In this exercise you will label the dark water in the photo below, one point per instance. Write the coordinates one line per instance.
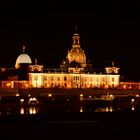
(58, 117)
(32, 105)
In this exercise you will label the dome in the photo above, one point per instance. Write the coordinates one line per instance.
(23, 59)
(76, 54)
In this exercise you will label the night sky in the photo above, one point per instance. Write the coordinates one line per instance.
(109, 31)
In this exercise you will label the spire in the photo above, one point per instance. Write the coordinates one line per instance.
(76, 38)
(35, 61)
(23, 48)
(76, 30)
(112, 63)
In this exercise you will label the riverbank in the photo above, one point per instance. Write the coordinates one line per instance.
(44, 91)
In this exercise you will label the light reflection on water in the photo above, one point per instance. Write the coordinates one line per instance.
(133, 108)
(29, 110)
(80, 104)
(104, 109)
(22, 110)
(81, 109)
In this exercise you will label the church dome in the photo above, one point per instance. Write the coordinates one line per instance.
(23, 59)
(76, 53)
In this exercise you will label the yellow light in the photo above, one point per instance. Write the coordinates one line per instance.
(49, 95)
(106, 86)
(89, 96)
(132, 100)
(22, 110)
(106, 109)
(32, 99)
(137, 95)
(32, 110)
(17, 95)
(69, 86)
(81, 109)
(22, 100)
(26, 85)
(110, 109)
(132, 108)
(8, 84)
(81, 95)
(124, 86)
(88, 86)
(111, 96)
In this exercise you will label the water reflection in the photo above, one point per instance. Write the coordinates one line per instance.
(29, 110)
(133, 108)
(22, 110)
(81, 108)
(32, 110)
(104, 109)
(70, 103)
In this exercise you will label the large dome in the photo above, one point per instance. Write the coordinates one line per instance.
(76, 54)
(23, 59)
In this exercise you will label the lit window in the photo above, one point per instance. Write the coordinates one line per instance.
(52, 78)
(45, 77)
(35, 78)
(112, 79)
(58, 78)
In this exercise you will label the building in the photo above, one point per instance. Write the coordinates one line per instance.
(74, 72)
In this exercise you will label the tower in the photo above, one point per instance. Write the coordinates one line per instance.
(76, 53)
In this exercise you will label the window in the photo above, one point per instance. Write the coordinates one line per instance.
(65, 78)
(58, 78)
(51, 84)
(65, 84)
(113, 79)
(58, 84)
(91, 78)
(35, 78)
(52, 78)
(45, 77)
(77, 77)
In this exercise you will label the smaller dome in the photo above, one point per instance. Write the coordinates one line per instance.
(23, 59)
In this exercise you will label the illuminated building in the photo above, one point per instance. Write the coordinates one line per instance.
(74, 72)
(23, 59)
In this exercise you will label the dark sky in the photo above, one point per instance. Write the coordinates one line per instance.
(109, 31)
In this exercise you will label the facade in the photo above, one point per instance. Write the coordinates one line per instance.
(73, 80)
(74, 72)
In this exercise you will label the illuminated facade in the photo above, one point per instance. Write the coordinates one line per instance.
(74, 72)
(76, 53)
(72, 80)
(23, 59)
